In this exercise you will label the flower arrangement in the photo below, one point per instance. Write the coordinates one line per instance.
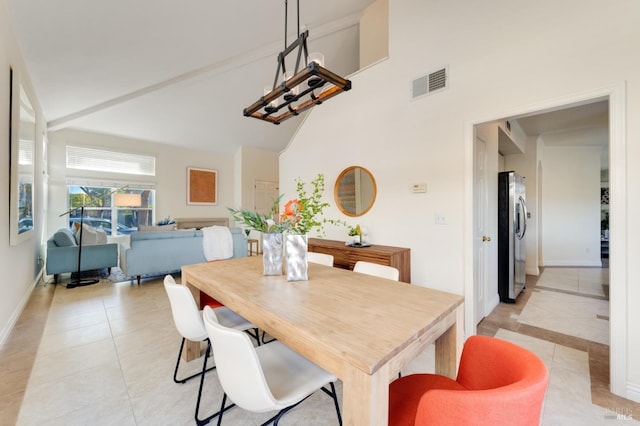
(304, 213)
(258, 222)
(301, 215)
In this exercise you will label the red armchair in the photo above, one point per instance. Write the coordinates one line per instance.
(498, 383)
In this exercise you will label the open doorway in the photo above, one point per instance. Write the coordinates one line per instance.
(610, 103)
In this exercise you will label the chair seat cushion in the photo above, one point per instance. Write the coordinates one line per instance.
(405, 394)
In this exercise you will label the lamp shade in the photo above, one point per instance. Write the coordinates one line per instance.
(127, 200)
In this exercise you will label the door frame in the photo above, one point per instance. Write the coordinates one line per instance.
(616, 95)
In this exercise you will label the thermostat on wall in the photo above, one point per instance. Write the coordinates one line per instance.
(419, 188)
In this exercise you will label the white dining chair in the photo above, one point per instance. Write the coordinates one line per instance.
(382, 271)
(267, 378)
(188, 321)
(321, 258)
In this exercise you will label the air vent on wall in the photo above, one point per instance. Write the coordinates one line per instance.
(427, 84)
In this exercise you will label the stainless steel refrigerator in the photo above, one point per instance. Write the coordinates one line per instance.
(512, 227)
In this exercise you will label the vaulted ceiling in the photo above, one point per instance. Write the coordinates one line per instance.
(173, 72)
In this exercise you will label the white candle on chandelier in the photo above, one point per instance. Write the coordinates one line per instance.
(293, 91)
(316, 57)
(274, 103)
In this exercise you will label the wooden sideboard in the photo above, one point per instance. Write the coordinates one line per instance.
(345, 257)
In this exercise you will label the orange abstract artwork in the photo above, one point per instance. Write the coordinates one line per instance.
(202, 186)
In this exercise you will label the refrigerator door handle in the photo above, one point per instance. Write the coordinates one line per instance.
(524, 214)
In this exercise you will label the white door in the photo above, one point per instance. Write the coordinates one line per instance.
(265, 194)
(481, 237)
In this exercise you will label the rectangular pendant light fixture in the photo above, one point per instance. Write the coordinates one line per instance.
(306, 88)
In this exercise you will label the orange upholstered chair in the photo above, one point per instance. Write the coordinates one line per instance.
(498, 383)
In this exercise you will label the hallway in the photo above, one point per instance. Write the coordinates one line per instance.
(565, 312)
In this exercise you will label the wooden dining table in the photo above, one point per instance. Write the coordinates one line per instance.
(362, 329)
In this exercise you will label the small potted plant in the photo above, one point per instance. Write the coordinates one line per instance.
(355, 237)
(353, 234)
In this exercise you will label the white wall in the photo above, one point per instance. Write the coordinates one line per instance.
(20, 262)
(256, 164)
(170, 180)
(571, 212)
(502, 55)
(374, 33)
(253, 164)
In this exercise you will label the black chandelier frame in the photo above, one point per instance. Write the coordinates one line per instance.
(313, 80)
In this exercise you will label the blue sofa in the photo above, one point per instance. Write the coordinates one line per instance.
(62, 254)
(162, 252)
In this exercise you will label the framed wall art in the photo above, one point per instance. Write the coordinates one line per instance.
(202, 186)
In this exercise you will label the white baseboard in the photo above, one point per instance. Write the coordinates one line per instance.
(492, 303)
(532, 271)
(574, 263)
(6, 331)
(633, 391)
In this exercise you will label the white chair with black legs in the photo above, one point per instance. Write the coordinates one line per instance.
(321, 258)
(189, 323)
(267, 378)
(382, 271)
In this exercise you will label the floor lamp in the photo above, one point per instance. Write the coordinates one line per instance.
(119, 200)
(79, 282)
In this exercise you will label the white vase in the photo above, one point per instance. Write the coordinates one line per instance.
(272, 254)
(295, 252)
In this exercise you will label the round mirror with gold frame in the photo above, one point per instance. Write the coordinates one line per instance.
(355, 191)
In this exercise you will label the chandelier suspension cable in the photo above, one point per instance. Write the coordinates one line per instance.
(286, 31)
(298, 11)
(286, 20)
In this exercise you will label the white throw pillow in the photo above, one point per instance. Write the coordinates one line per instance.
(101, 236)
(89, 235)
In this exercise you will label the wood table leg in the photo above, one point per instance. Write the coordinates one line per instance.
(365, 398)
(449, 347)
(191, 350)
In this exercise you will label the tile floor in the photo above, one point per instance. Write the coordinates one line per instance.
(104, 355)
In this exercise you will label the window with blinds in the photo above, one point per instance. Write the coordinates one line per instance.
(82, 158)
(25, 153)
